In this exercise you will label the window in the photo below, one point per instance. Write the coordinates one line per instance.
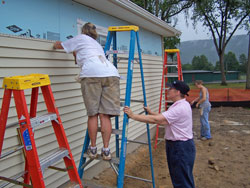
(102, 32)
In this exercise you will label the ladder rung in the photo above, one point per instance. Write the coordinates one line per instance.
(126, 58)
(12, 124)
(134, 100)
(12, 179)
(161, 139)
(114, 131)
(171, 75)
(137, 178)
(99, 157)
(143, 112)
(171, 66)
(36, 121)
(53, 158)
(172, 63)
(137, 142)
(108, 52)
(11, 151)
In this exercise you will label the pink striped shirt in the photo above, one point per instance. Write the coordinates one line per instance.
(179, 117)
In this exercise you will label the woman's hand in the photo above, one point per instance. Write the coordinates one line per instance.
(197, 105)
(128, 111)
(57, 45)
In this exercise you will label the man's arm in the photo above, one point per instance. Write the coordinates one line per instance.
(152, 119)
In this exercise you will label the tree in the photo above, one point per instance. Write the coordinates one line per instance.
(243, 63)
(218, 16)
(166, 10)
(230, 61)
(201, 63)
(187, 67)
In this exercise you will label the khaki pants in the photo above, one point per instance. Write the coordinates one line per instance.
(101, 95)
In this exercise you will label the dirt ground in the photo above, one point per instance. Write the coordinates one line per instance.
(222, 162)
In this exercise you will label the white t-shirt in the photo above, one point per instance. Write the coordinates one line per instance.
(90, 57)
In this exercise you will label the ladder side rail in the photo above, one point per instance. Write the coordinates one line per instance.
(115, 48)
(26, 176)
(180, 75)
(84, 150)
(4, 115)
(162, 85)
(60, 134)
(108, 42)
(165, 84)
(120, 179)
(117, 117)
(33, 102)
(145, 104)
(33, 109)
(28, 139)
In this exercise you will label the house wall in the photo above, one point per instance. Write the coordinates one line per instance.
(57, 20)
(22, 56)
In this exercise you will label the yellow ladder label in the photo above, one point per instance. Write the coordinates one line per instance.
(123, 28)
(26, 81)
(172, 50)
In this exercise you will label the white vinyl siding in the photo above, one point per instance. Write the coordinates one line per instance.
(22, 56)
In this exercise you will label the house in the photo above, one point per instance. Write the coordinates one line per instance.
(29, 28)
(208, 76)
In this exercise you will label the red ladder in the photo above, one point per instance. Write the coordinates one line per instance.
(34, 167)
(168, 73)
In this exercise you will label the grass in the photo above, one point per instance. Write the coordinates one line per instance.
(219, 86)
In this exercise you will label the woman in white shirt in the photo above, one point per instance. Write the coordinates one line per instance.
(100, 85)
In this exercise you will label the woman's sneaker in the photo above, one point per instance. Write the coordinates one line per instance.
(106, 154)
(92, 152)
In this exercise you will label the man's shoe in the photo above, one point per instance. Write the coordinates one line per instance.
(92, 153)
(106, 155)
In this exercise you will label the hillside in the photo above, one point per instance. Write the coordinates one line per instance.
(238, 44)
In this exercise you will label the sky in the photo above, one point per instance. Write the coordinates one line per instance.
(188, 33)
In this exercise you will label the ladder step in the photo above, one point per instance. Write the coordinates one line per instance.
(137, 142)
(12, 124)
(171, 75)
(126, 58)
(114, 131)
(138, 178)
(171, 66)
(11, 151)
(122, 104)
(113, 160)
(53, 158)
(108, 52)
(161, 139)
(172, 63)
(36, 121)
(12, 179)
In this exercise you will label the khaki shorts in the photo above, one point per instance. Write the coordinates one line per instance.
(101, 95)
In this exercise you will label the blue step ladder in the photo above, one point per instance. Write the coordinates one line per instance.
(118, 163)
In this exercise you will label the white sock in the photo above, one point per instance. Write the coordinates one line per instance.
(105, 149)
(92, 147)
